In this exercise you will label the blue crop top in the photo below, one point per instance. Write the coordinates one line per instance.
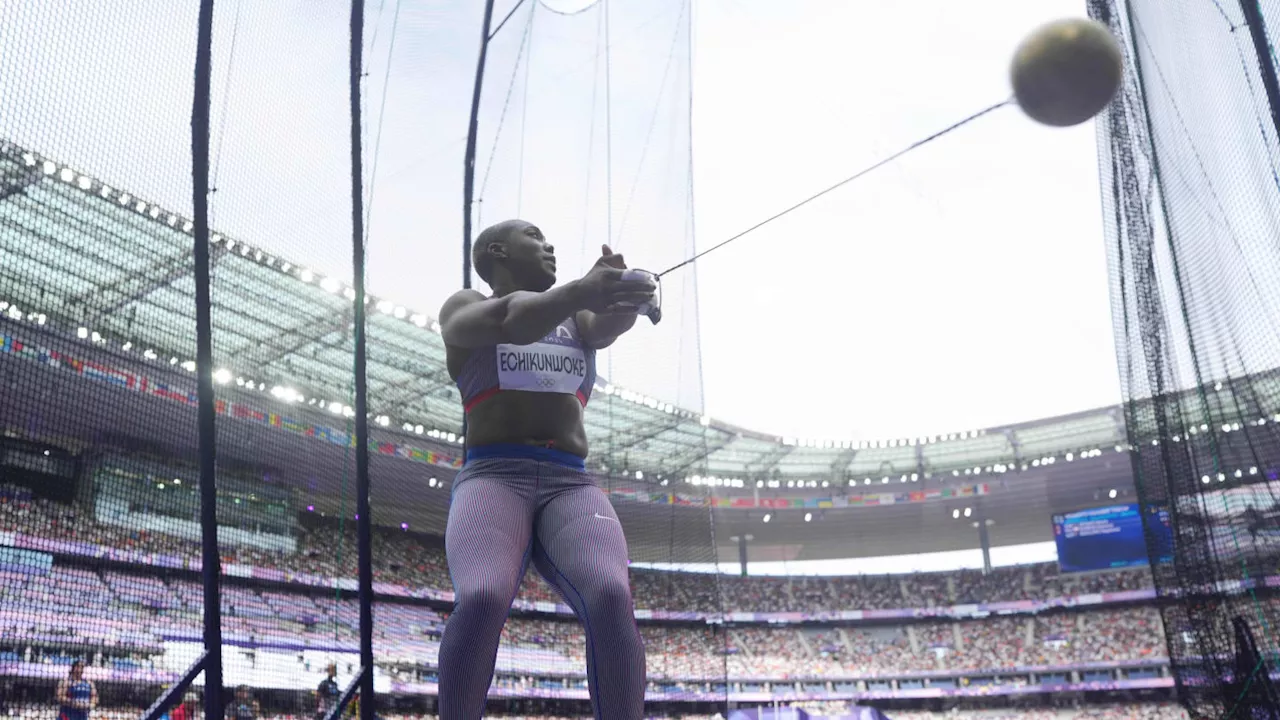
(558, 363)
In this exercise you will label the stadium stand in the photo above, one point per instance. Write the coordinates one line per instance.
(127, 621)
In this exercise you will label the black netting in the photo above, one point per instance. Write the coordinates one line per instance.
(583, 127)
(283, 334)
(105, 467)
(99, 479)
(1191, 202)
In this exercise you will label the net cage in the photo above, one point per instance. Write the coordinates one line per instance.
(1190, 199)
(192, 197)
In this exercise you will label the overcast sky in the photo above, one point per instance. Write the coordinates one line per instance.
(961, 287)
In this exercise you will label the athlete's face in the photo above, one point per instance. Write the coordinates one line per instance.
(77, 670)
(530, 258)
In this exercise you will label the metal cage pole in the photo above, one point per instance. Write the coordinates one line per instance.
(469, 161)
(210, 561)
(364, 519)
(1266, 63)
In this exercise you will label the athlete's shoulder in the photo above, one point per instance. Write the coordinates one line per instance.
(460, 299)
(457, 302)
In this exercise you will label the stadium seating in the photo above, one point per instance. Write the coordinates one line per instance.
(119, 618)
(404, 558)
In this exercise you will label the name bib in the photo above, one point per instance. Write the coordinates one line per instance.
(541, 367)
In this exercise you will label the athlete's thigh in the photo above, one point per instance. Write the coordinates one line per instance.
(579, 538)
(489, 530)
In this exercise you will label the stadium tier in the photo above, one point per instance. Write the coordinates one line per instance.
(105, 566)
(885, 637)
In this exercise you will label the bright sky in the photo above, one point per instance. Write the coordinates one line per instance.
(962, 287)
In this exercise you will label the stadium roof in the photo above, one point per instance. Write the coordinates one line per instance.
(114, 272)
(121, 268)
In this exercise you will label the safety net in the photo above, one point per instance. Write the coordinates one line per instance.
(1191, 202)
(188, 193)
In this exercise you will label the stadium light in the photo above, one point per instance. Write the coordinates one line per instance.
(968, 512)
(767, 517)
(808, 517)
(82, 333)
(1112, 494)
(955, 514)
(1205, 479)
(431, 482)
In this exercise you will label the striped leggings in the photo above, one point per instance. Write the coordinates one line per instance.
(540, 505)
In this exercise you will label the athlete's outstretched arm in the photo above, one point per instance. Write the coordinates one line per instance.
(600, 330)
(470, 320)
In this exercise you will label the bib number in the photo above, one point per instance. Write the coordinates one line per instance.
(541, 367)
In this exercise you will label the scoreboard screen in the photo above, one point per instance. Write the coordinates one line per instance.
(1109, 537)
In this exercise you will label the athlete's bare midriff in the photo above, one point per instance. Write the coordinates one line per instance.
(524, 418)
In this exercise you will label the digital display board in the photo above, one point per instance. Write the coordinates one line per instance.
(1109, 537)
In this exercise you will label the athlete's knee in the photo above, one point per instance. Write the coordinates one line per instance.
(486, 599)
(609, 595)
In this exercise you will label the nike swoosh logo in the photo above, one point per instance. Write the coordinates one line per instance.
(606, 517)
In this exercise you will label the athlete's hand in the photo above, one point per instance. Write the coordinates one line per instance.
(606, 293)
